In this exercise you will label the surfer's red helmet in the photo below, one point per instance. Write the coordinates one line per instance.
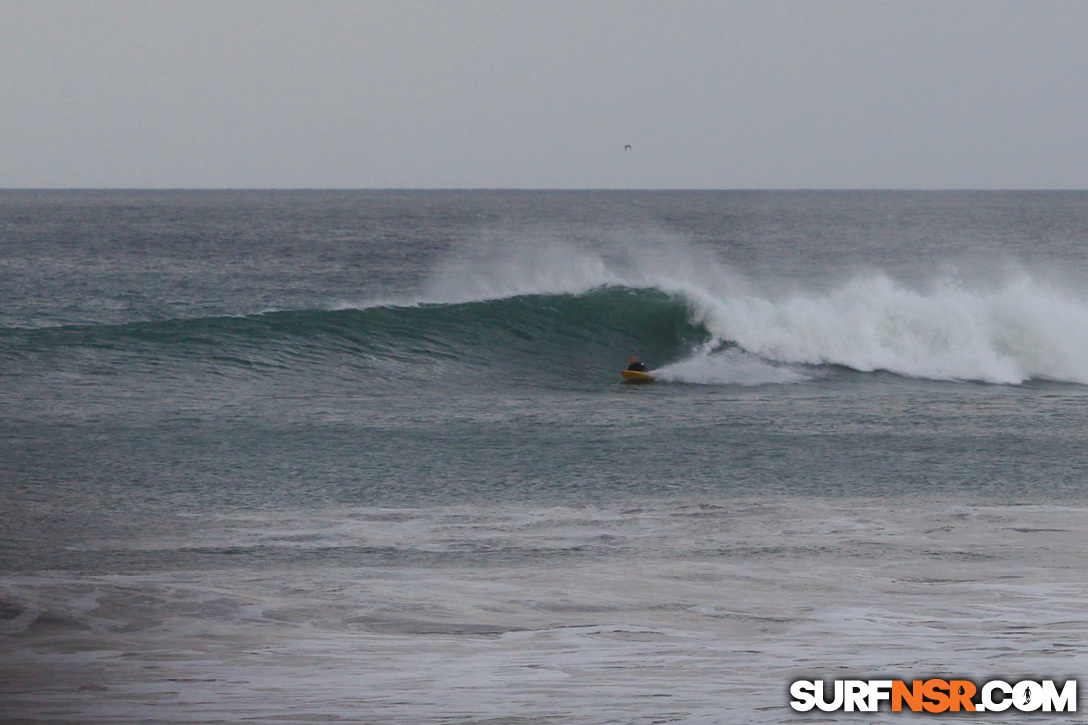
(633, 359)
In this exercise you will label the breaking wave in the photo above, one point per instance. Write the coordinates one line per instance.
(720, 331)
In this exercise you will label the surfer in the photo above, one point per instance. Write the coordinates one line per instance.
(636, 365)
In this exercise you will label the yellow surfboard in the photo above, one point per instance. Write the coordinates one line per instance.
(635, 376)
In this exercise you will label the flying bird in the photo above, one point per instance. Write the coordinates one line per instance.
(627, 147)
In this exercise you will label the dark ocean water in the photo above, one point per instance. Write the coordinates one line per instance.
(367, 455)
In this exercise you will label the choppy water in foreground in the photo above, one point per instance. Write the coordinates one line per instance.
(366, 456)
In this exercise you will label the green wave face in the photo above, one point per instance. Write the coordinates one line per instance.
(571, 335)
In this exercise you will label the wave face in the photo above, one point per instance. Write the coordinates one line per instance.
(565, 334)
(1010, 333)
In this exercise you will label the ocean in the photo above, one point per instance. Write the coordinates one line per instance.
(367, 457)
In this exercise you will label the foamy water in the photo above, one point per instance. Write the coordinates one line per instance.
(685, 613)
(714, 366)
(1007, 333)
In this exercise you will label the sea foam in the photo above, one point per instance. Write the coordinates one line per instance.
(1015, 331)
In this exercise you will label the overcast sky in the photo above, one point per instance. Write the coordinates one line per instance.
(535, 94)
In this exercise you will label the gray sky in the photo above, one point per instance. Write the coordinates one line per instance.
(463, 93)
